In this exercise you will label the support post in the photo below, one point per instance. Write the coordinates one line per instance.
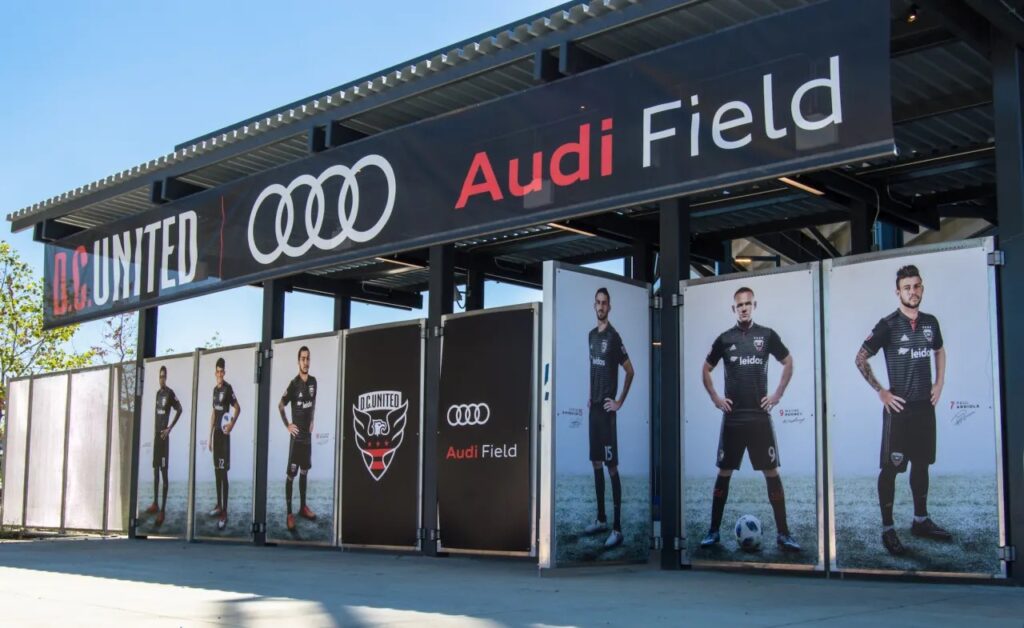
(145, 348)
(272, 329)
(861, 228)
(641, 266)
(674, 217)
(441, 291)
(342, 313)
(1008, 109)
(474, 290)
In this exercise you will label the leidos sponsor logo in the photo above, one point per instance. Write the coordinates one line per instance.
(733, 125)
(463, 414)
(346, 206)
(379, 419)
(920, 353)
(751, 361)
(483, 451)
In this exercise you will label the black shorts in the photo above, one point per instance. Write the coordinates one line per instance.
(753, 435)
(604, 437)
(221, 450)
(160, 448)
(908, 436)
(300, 456)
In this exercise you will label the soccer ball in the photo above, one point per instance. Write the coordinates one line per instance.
(225, 421)
(748, 533)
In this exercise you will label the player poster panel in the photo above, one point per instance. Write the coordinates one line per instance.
(381, 410)
(45, 481)
(16, 450)
(165, 441)
(913, 445)
(750, 416)
(485, 430)
(87, 448)
(224, 444)
(600, 408)
(122, 411)
(301, 478)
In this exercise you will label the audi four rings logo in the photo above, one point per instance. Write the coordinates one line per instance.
(316, 209)
(468, 414)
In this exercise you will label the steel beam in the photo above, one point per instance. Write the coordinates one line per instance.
(272, 328)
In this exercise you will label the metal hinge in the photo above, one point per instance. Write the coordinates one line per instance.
(656, 543)
(677, 300)
(438, 331)
(997, 258)
(678, 544)
(423, 333)
(425, 534)
(258, 528)
(655, 303)
(1008, 553)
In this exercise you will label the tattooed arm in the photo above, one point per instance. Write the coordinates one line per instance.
(889, 400)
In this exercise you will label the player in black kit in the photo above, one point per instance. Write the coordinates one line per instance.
(301, 393)
(606, 355)
(165, 401)
(909, 338)
(746, 412)
(221, 423)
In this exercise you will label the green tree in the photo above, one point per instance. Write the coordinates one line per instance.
(25, 348)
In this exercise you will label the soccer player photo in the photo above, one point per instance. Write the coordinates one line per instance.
(164, 441)
(922, 409)
(601, 409)
(300, 491)
(749, 403)
(224, 443)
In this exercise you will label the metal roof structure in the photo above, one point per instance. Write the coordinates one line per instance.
(941, 97)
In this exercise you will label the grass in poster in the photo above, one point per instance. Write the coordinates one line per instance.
(176, 515)
(320, 499)
(239, 522)
(576, 508)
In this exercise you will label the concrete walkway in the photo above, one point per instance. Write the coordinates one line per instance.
(109, 582)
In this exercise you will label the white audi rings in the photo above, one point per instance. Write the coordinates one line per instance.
(348, 210)
(468, 414)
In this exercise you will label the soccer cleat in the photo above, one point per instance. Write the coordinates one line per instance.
(216, 512)
(788, 543)
(153, 508)
(597, 526)
(710, 539)
(222, 521)
(614, 539)
(929, 530)
(307, 513)
(892, 543)
(291, 521)
(159, 519)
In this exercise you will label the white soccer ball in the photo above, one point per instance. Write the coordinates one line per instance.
(225, 421)
(748, 533)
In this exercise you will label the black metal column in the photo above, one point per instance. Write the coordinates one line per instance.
(272, 329)
(441, 292)
(145, 348)
(342, 313)
(641, 262)
(675, 266)
(474, 290)
(861, 227)
(1008, 106)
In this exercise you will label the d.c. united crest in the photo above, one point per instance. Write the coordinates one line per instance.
(379, 420)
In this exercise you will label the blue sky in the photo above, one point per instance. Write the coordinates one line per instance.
(89, 89)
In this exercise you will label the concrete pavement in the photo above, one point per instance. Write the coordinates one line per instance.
(105, 582)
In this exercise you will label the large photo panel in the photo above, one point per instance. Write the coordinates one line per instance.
(88, 423)
(45, 482)
(381, 415)
(485, 432)
(601, 374)
(750, 417)
(301, 476)
(224, 443)
(15, 451)
(165, 441)
(912, 410)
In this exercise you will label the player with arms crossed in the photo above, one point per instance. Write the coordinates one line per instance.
(607, 354)
(746, 412)
(301, 394)
(165, 401)
(222, 421)
(909, 338)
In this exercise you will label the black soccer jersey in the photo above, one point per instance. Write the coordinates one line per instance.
(606, 354)
(909, 345)
(302, 396)
(745, 352)
(223, 399)
(165, 401)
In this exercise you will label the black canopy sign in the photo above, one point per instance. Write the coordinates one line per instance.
(769, 98)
